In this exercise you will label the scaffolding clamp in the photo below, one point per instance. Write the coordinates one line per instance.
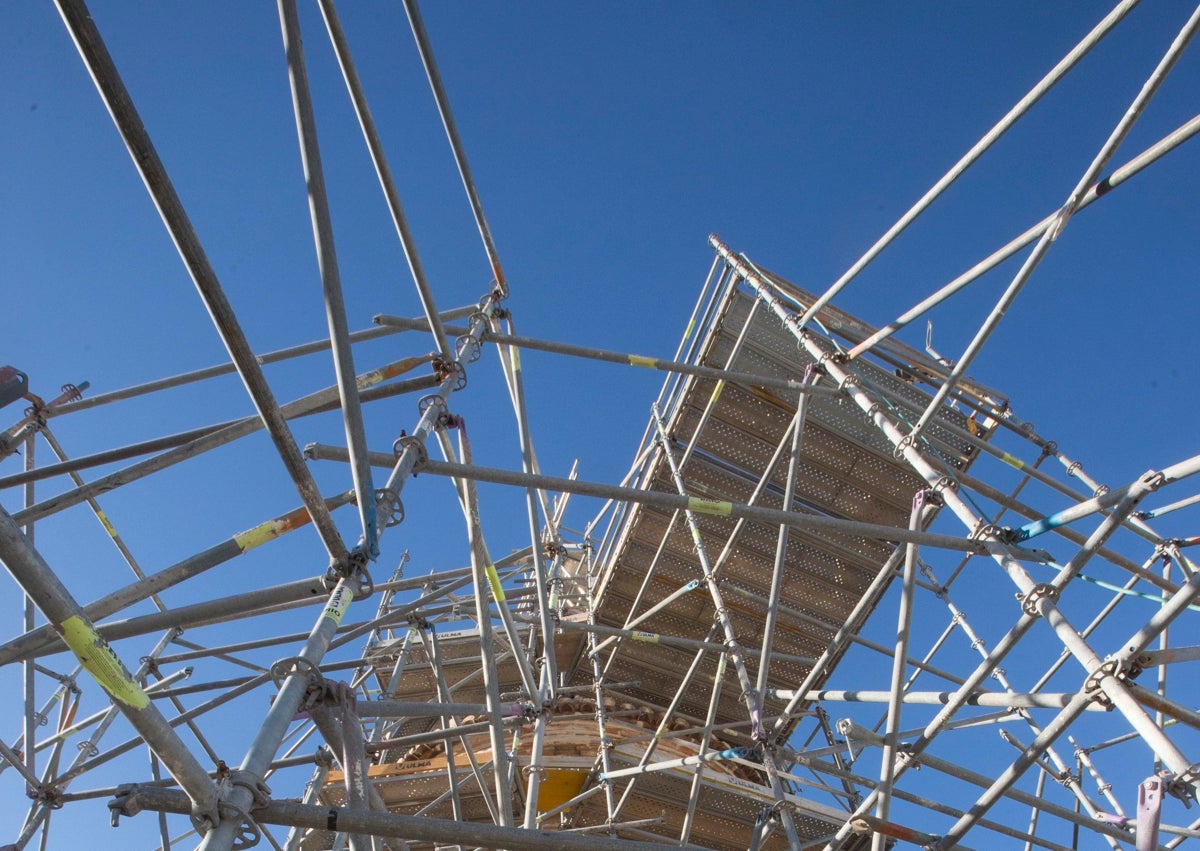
(259, 791)
(1031, 598)
(443, 369)
(469, 346)
(353, 569)
(1112, 668)
(433, 400)
(410, 441)
(1183, 785)
(388, 507)
(294, 665)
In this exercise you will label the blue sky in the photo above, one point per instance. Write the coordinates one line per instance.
(607, 141)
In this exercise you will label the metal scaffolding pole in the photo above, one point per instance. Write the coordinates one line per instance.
(389, 825)
(977, 150)
(39, 639)
(671, 502)
(456, 145)
(145, 158)
(891, 743)
(511, 362)
(733, 648)
(331, 282)
(227, 434)
(1120, 175)
(483, 572)
(298, 672)
(359, 99)
(1069, 208)
(46, 590)
(606, 356)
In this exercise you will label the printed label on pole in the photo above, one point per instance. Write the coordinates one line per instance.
(98, 658)
(638, 360)
(335, 609)
(639, 635)
(710, 506)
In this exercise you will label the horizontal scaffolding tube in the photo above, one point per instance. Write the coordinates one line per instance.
(122, 598)
(171, 441)
(533, 343)
(227, 368)
(415, 828)
(674, 502)
(242, 428)
(940, 698)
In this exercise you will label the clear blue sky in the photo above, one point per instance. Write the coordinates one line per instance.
(607, 141)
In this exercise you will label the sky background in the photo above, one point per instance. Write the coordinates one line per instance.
(607, 142)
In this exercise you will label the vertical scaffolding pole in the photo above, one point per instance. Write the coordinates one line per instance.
(331, 282)
(145, 158)
(370, 134)
(516, 386)
(456, 145)
(732, 647)
(887, 772)
(299, 673)
(28, 619)
(781, 544)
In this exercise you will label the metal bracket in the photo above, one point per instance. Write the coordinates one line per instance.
(388, 507)
(285, 668)
(443, 369)
(1039, 592)
(1149, 813)
(1183, 785)
(411, 441)
(433, 400)
(88, 748)
(987, 530)
(353, 569)
(943, 484)
(1111, 668)
(469, 348)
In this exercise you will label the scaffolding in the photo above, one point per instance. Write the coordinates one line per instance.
(843, 598)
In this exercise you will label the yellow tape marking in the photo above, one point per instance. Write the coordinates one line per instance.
(516, 358)
(335, 609)
(1012, 462)
(717, 390)
(688, 332)
(257, 536)
(108, 527)
(710, 506)
(101, 662)
(494, 580)
(639, 360)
